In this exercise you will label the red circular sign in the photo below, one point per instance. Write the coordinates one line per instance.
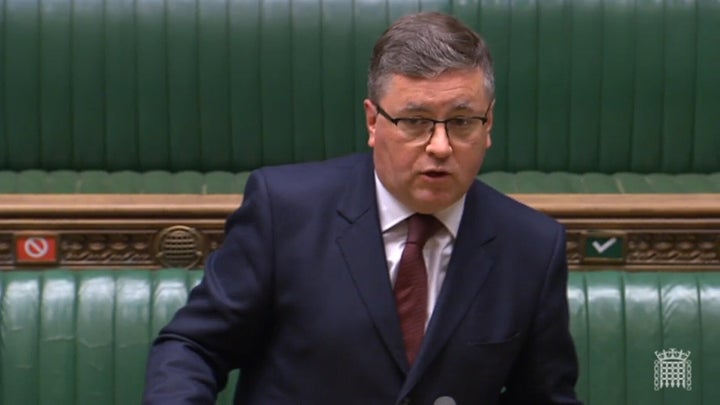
(36, 247)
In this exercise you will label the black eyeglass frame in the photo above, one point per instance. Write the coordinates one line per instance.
(395, 120)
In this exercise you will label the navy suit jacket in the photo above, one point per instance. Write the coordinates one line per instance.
(298, 297)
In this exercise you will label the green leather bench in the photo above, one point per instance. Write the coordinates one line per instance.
(115, 95)
(82, 337)
(218, 182)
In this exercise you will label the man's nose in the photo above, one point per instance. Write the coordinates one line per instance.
(439, 144)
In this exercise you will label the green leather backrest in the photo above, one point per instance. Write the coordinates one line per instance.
(194, 182)
(82, 337)
(593, 85)
(620, 320)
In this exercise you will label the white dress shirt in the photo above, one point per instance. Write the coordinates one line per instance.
(438, 248)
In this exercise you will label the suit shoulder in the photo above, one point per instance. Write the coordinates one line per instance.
(512, 212)
(312, 179)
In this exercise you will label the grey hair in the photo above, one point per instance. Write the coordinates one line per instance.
(425, 45)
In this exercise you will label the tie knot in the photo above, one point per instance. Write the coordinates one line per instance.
(421, 227)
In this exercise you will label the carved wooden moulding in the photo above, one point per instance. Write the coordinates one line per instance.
(184, 246)
(629, 232)
(652, 249)
(173, 246)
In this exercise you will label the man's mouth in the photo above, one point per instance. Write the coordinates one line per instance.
(435, 173)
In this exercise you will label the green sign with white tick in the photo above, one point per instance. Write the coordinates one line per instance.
(604, 247)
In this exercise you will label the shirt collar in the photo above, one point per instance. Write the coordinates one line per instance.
(392, 211)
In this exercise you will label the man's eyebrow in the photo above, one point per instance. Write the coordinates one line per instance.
(415, 108)
(462, 106)
(412, 108)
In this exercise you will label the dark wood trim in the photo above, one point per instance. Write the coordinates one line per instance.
(665, 232)
(172, 205)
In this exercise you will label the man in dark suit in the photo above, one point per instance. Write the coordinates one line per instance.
(386, 278)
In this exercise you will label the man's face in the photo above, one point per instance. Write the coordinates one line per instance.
(428, 177)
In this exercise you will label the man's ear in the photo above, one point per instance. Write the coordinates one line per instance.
(370, 120)
(489, 124)
(490, 116)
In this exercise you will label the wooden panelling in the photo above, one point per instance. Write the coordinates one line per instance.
(674, 232)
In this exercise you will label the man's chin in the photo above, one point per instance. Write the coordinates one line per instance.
(430, 202)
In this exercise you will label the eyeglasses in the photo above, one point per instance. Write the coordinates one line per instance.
(419, 130)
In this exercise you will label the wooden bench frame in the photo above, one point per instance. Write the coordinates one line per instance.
(651, 231)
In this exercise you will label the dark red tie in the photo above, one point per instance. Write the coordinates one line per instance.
(411, 290)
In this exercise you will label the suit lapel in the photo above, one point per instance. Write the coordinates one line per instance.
(468, 268)
(362, 247)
